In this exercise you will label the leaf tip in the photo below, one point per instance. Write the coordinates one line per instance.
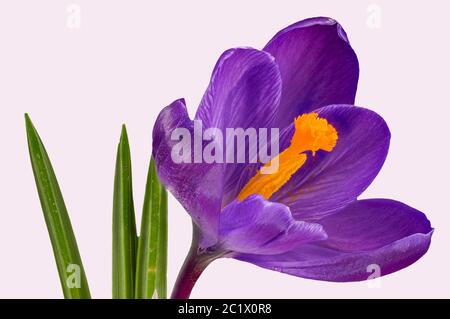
(28, 122)
(124, 134)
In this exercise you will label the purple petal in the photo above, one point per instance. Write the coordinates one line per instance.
(244, 92)
(331, 180)
(197, 186)
(366, 235)
(257, 226)
(318, 67)
(373, 223)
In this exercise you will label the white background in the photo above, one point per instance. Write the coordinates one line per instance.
(128, 59)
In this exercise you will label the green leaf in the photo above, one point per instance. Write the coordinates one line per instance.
(68, 261)
(161, 264)
(124, 225)
(151, 274)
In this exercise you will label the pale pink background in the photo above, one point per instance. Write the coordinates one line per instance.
(131, 58)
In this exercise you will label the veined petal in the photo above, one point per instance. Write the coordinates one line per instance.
(243, 93)
(318, 67)
(197, 186)
(369, 235)
(258, 226)
(331, 180)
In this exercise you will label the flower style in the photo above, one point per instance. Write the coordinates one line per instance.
(304, 220)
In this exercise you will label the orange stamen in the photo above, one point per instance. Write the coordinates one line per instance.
(312, 133)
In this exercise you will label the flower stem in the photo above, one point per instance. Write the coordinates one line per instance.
(195, 263)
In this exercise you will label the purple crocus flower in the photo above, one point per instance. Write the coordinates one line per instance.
(306, 219)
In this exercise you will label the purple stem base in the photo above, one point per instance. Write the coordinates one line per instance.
(195, 263)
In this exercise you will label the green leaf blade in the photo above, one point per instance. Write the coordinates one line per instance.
(124, 224)
(161, 264)
(151, 274)
(65, 249)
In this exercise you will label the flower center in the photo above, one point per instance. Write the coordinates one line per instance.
(312, 133)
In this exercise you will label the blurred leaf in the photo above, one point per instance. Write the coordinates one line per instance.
(70, 268)
(124, 225)
(151, 274)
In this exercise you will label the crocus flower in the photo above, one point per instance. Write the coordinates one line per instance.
(304, 220)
